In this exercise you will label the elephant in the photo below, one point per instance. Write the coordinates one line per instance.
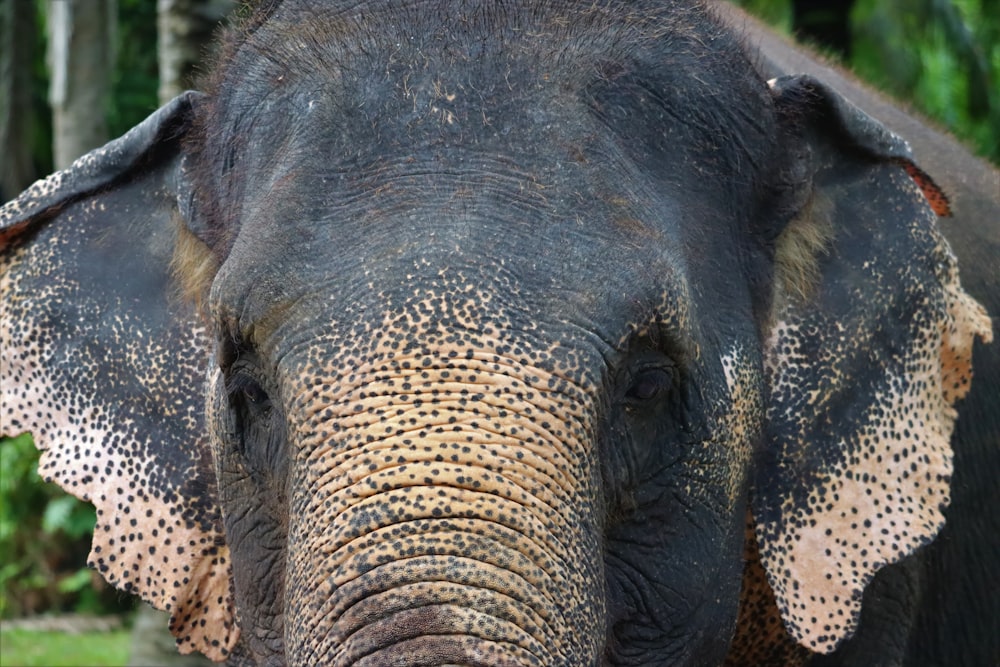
(525, 333)
(935, 611)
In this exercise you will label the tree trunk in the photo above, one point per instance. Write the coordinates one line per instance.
(184, 31)
(17, 37)
(81, 60)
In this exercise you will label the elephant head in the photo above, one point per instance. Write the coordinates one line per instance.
(443, 334)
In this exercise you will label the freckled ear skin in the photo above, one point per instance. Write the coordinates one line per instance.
(863, 371)
(105, 366)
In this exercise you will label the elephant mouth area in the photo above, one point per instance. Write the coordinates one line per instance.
(435, 633)
(459, 589)
(427, 648)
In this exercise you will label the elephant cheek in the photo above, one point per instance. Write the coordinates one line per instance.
(450, 534)
(255, 518)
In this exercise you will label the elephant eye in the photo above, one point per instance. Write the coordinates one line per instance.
(257, 432)
(254, 393)
(243, 387)
(650, 383)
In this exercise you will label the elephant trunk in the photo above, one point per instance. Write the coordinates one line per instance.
(459, 519)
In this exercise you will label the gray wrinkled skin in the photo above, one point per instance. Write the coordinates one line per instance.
(520, 334)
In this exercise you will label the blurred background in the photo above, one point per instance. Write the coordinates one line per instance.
(938, 58)
(76, 73)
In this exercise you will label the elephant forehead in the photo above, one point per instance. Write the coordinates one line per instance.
(523, 145)
(424, 292)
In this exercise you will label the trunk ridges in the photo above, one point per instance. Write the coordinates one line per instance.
(457, 487)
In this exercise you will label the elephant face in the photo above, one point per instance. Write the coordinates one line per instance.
(467, 370)
(509, 317)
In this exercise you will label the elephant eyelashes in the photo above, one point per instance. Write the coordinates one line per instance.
(244, 387)
(258, 433)
(252, 392)
(649, 424)
(251, 410)
(648, 385)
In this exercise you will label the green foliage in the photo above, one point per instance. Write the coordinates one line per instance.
(136, 75)
(44, 540)
(41, 128)
(22, 648)
(940, 56)
(944, 57)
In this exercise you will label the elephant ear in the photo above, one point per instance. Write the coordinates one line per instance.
(868, 348)
(106, 366)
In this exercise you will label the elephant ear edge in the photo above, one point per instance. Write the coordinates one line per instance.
(105, 365)
(863, 369)
(97, 169)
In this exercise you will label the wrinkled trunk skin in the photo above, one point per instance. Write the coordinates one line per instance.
(444, 509)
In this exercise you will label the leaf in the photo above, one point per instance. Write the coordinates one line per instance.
(57, 514)
(77, 581)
